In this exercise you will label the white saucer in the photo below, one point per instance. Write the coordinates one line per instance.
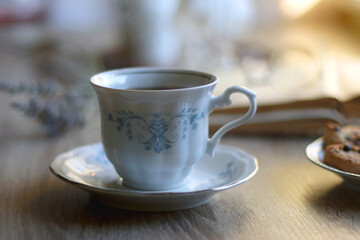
(88, 168)
(315, 153)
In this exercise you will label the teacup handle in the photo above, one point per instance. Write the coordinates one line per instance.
(224, 100)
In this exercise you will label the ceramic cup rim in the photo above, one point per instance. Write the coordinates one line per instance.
(135, 70)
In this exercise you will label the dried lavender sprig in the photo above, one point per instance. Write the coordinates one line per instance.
(17, 88)
(56, 119)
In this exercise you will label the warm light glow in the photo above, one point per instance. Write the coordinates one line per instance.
(296, 8)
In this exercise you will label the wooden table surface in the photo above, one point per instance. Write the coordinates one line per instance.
(289, 197)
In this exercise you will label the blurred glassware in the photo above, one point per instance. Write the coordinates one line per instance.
(212, 30)
(80, 15)
(150, 33)
(253, 60)
(293, 70)
(92, 24)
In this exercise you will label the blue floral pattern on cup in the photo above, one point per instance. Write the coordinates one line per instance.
(159, 129)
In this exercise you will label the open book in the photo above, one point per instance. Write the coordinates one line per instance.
(299, 108)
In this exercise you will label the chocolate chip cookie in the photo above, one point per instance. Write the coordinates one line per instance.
(343, 157)
(337, 134)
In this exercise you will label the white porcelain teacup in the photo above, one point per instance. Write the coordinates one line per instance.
(154, 122)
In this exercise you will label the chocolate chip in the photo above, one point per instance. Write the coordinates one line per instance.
(347, 147)
(349, 138)
(337, 128)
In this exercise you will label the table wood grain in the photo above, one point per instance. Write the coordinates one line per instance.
(289, 198)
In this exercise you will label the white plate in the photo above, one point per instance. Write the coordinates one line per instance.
(315, 153)
(88, 168)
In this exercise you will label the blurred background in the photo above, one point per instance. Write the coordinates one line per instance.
(302, 57)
